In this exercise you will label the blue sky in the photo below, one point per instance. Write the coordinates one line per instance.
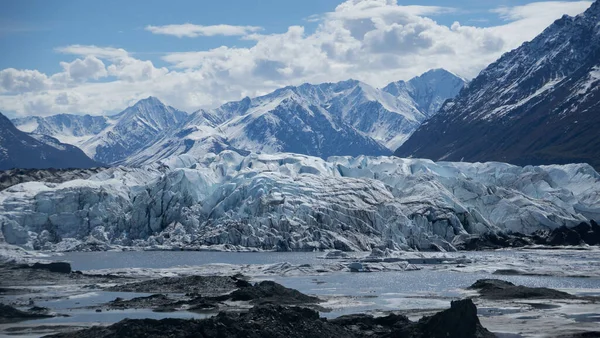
(68, 56)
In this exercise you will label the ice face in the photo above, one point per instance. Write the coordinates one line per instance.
(296, 202)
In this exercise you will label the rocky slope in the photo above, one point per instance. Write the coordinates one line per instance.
(297, 202)
(21, 150)
(538, 104)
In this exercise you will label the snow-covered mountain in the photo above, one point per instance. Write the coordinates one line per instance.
(539, 103)
(134, 129)
(21, 150)
(109, 139)
(428, 91)
(344, 118)
(298, 202)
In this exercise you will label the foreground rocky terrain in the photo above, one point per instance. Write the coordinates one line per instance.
(49, 297)
(276, 321)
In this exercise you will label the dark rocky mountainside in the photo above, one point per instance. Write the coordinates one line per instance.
(20, 150)
(538, 104)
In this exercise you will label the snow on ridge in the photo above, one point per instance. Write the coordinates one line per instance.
(287, 201)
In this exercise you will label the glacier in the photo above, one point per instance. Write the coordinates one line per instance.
(289, 201)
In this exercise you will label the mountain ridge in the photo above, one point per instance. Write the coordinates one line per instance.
(21, 150)
(537, 104)
(342, 118)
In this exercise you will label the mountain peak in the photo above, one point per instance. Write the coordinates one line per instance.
(428, 90)
(436, 74)
(149, 101)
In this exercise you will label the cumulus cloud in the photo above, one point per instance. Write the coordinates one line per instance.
(376, 41)
(89, 68)
(191, 31)
(18, 81)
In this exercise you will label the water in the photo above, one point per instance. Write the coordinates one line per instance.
(345, 292)
(167, 259)
(385, 290)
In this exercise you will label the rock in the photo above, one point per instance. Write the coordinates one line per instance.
(61, 267)
(272, 321)
(459, 321)
(271, 292)
(564, 236)
(356, 267)
(261, 321)
(360, 324)
(149, 302)
(583, 233)
(335, 254)
(10, 314)
(492, 240)
(499, 289)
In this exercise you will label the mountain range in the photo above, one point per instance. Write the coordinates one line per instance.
(343, 118)
(538, 104)
(21, 150)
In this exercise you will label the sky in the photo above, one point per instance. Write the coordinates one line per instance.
(98, 57)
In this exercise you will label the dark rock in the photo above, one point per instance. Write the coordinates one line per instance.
(152, 301)
(459, 321)
(583, 233)
(261, 321)
(564, 236)
(270, 321)
(61, 267)
(271, 292)
(10, 314)
(364, 325)
(499, 289)
(490, 241)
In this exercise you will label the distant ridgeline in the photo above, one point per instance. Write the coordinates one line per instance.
(344, 118)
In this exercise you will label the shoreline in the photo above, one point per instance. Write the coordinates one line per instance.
(523, 315)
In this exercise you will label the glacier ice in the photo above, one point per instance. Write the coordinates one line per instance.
(296, 202)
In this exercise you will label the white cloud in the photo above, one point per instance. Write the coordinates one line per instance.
(89, 68)
(17, 81)
(191, 31)
(376, 41)
(545, 10)
(100, 52)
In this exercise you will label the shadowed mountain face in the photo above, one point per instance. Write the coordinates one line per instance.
(20, 150)
(539, 104)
